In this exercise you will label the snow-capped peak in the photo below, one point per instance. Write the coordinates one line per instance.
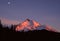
(33, 25)
(27, 24)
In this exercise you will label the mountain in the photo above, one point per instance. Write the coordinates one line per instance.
(33, 25)
(28, 25)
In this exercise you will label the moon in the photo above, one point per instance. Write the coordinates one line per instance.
(9, 3)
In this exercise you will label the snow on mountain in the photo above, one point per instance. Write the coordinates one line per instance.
(50, 28)
(27, 24)
(46, 27)
(33, 25)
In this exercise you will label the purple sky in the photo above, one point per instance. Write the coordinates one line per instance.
(43, 11)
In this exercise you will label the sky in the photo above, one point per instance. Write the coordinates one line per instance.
(43, 11)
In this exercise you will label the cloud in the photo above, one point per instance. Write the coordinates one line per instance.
(9, 22)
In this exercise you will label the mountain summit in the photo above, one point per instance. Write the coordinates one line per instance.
(32, 25)
(27, 24)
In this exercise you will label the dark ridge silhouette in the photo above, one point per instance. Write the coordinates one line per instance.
(7, 34)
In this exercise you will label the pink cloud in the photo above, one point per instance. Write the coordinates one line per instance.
(9, 22)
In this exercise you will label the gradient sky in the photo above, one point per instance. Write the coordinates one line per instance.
(43, 11)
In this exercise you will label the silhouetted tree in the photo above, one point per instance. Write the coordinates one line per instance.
(13, 28)
(0, 24)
